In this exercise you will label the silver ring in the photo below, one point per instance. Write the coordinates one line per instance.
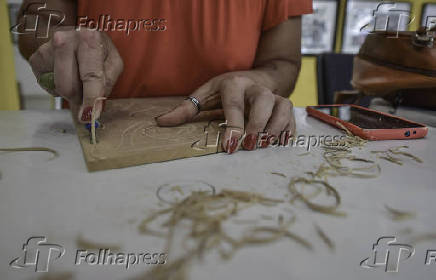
(195, 102)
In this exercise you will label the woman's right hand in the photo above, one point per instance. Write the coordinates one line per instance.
(86, 66)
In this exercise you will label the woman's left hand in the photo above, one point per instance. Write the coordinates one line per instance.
(240, 95)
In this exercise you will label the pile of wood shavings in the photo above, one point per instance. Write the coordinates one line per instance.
(335, 154)
(206, 213)
(391, 155)
(206, 230)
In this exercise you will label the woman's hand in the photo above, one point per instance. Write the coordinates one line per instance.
(86, 66)
(240, 95)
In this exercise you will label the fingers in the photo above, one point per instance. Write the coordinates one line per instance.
(267, 112)
(209, 115)
(183, 113)
(42, 61)
(261, 102)
(233, 102)
(280, 117)
(91, 54)
(113, 66)
(66, 76)
(85, 66)
(292, 126)
(282, 121)
(186, 111)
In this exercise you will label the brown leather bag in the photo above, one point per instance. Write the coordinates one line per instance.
(398, 67)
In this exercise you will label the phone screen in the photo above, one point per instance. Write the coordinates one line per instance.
(365, 119)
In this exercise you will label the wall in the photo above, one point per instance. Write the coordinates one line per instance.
(306, 91)
(8, 87)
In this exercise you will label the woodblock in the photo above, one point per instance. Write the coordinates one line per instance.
(129, 135)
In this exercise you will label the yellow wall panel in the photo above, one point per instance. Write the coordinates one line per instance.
(9, 99)
(306, 90)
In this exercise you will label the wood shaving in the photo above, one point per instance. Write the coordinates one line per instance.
(31, 149)
(279, 174)
(275, 233)
(177, 189)
(324, 237)
(335, 161)
(332, 209)
(391, 155)
(396, 151)
(323, 171)
(386, 156)
(399, 215)
(93, 119)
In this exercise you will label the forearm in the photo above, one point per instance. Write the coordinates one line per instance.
(280, 76)
(33, 14)
(278, 59)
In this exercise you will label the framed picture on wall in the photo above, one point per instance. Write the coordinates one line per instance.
(428, 16)
(364, 16)
(319, 28)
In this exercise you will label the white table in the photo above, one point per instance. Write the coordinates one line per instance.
(60, 200)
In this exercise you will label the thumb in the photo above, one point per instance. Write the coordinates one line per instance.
(187, 110)
(183, 113)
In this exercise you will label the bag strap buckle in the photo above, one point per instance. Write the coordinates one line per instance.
(424, 38)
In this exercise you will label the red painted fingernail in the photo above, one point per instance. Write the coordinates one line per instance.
(265, 141)
(232, 145)
(87, 114)
(249, 142)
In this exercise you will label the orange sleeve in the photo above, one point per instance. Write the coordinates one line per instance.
(278, 11)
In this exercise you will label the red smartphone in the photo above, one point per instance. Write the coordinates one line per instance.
(368, 124)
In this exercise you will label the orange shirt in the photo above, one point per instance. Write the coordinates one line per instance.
(171, 47)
